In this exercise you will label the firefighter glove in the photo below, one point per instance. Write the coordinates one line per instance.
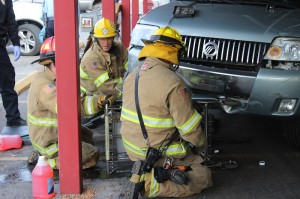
(177, 176)
(106, 99)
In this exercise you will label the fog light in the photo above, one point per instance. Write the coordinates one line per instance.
(287, 105)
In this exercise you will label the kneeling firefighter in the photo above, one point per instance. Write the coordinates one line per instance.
(42, 113)
(160, 125)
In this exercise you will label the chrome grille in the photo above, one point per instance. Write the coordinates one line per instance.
(222, 51)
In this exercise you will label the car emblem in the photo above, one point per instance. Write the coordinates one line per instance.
(210, 49)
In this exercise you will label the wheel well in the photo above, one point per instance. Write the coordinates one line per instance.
(21, 22)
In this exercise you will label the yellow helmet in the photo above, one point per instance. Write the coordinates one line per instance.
(165, 35)
(104, 28)
(165, 43)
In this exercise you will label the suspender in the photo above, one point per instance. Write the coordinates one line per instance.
(137, 105)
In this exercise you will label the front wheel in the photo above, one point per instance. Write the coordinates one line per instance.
(29, 39)
(291, 131)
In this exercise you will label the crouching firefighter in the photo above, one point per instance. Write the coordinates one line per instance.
(159, 124)
(42, 113)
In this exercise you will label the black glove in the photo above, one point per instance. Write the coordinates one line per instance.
(177, 176)
(106, 99)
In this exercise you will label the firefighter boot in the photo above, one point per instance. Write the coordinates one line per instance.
(33, 157)
(133, 186)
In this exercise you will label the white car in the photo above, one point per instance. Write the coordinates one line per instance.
(30, 24)
(28, 17)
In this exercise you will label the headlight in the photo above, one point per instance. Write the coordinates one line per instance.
(284, 49)
(141, 32)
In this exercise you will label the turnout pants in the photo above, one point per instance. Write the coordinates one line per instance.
(90, 154)
(7, 84)
(199, 179)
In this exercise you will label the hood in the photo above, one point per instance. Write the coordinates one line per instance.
(228, 21)
(34, 14)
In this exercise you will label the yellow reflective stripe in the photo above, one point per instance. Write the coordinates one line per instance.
(119, 95)
(190, 124)
(154, 186)
(83, 89)
(83, 74)
(149, 121)
(56, 108)
(42, 121)
(118, 80)
(89, 105)
(101, 79)
(46, 151)
(134, 149)
(126, 65)
(176, 149)
(173, 149)
(52, 163)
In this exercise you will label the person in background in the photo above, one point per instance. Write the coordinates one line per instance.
(160, 128)
(42, 113)
(9, 30)
(48, 16)
(48, 10)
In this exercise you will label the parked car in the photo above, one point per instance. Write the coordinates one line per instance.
(28, 17)
(30, 24)
(243, 54)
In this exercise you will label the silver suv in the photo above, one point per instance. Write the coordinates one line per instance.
(245, 54)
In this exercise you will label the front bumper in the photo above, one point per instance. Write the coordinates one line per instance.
(258, 93)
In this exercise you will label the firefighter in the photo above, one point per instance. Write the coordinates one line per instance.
(104, 64)
(42, 113)
(160, 141)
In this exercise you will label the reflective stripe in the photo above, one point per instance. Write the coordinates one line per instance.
(101, 79)
(154, 186)
(52, 163)
(134, 149)
(56, 108)
(119, 96)
(118, 80)
(89, 105)
(149, 121)
(190, 124)
(173, 149)
(42, 121)
(126, 65)
(83, 74)
(83, 89)
(46, 151)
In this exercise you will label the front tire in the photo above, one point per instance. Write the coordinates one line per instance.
(29, 39)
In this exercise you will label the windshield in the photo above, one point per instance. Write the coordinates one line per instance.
(278, 3)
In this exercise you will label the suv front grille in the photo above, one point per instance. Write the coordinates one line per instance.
(223, 53)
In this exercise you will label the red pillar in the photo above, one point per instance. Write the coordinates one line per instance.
(126, 22)
(108, 9)
(135, 13)
(67, 59)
